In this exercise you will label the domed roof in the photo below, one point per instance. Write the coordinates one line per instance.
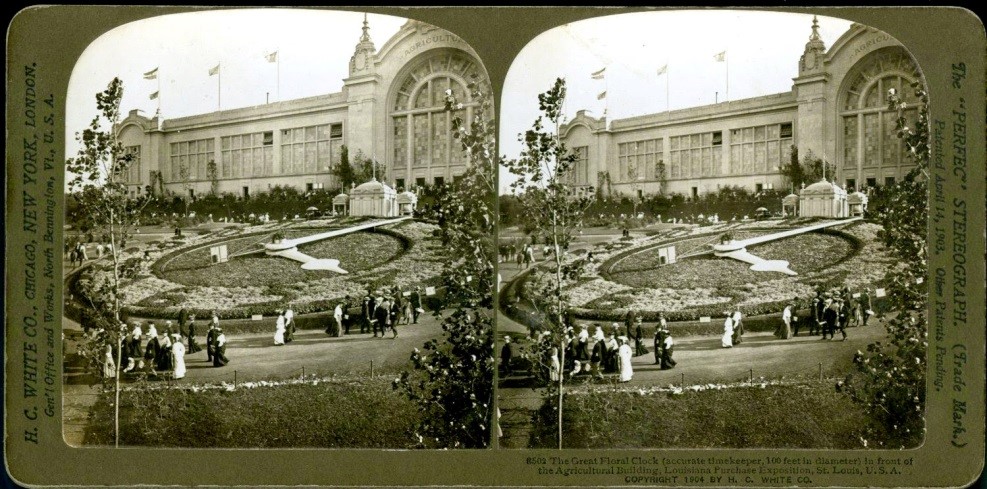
(823, 187)
(407, 197)
(372, 187)
(790, 199)
(341, 199)
(857, 198)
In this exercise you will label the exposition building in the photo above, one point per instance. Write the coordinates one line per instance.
(837, 110)
(391, 107)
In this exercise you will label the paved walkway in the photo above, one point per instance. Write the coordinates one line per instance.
(702, 360)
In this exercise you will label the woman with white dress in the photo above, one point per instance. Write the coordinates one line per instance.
(625, 353)
(178, 352)
(555, 367)
(279, 330)
(727, 341)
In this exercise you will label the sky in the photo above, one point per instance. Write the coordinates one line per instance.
(762, 55)
(314, 49)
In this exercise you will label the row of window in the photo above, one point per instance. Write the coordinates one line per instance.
(303, 150)
(755, 149)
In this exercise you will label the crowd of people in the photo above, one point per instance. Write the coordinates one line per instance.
(380, 313)
(162, 354)
(605, 350)
(828, 312)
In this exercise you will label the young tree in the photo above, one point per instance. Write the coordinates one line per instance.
(98, 182)
(794, 171)
(889, 380)
(451, 379)
(344, 170)
(555, 208)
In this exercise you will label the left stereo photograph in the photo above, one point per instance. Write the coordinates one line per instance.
(265, 242)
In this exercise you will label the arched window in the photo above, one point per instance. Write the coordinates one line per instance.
(872, 152)
(422, 142)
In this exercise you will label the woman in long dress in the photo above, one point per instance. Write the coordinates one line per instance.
(727, 341)
(153, 347)
(625, 353)
(164, 360)
(279, 331)
(193, 347)
(109, 366)
(178, 352)
(219, 351)
(554, 368)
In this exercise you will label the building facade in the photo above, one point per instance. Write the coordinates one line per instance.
(391, 108)
(837, 110)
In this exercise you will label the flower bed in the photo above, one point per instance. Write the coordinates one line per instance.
(355, 252)
(706, 285)
(402, 255)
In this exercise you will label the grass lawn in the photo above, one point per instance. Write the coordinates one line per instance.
(355, 252)
(810, 415)
(340, 414)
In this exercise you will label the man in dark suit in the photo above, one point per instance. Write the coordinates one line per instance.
(366, 315)
(830, 318)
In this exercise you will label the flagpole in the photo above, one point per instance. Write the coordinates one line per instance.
(279, 72)
(728, 78)
(158, 78)
(667, 76)
(219, 87)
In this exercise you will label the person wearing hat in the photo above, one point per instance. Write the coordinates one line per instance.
(279, 330)
(819, 309)
(727, 340)
(667, 347)
(506, 354)
(164, 361)
(738, 327)
(219, 350)
(193, 347)
(178, 354)
(132, 348)
(211, 341)
(843, 316)
(830, 317)
(784, 330)
(289, 325)
(611, 360)
(153, 347)
(366, 314)
(554, 367)
(639, 348)
(381, 315)
(598, 352)
(416, 303)
(625, 353)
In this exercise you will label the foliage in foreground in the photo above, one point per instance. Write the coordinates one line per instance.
(355, 414)
(889, 380)
(812, 415)
(451, 378)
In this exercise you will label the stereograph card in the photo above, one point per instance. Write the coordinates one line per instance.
(508, 246)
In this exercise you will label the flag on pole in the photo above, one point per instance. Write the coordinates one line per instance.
(271, 58)
(602, 95)
(721, 56)
(662, 70)
(214, 70)
(151, 75)
(598, 75)
(154, 95)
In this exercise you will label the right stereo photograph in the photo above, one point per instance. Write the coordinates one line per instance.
(709, 236)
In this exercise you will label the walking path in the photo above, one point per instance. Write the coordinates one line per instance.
(701, 360)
